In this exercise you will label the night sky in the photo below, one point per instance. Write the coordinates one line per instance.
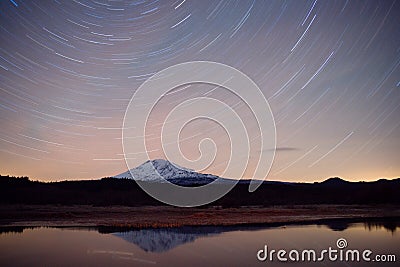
(329, 69)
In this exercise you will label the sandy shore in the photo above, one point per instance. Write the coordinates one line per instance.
(163, 216)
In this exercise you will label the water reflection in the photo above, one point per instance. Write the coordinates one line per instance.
(164, 239)
(390, 226)
(183, 246)
(120, 255)
(160, 240)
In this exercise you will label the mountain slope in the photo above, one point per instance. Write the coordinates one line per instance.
(151, 171)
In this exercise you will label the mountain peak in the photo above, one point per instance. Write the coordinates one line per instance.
(157, 169)
(162, 163)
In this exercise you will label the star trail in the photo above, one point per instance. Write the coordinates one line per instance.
(329, 69)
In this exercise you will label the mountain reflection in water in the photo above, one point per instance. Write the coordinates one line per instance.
(159, 240)
(164, 239)
(189, 246)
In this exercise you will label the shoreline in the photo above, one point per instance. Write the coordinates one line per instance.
(167, 216)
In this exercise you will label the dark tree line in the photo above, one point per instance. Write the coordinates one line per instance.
(110, 191)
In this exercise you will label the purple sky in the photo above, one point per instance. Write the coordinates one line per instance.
(329, 69)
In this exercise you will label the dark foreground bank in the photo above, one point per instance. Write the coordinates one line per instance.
(125, 192)
(121, 202)
(165, 216)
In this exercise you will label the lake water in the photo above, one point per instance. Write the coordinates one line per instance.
(192, 246)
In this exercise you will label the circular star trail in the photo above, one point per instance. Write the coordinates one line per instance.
(329, 69)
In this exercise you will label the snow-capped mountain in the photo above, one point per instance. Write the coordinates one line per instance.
(151, 171)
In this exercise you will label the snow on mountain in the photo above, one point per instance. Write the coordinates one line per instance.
(152, 169)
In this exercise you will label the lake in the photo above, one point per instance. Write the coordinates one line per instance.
(197, 246)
